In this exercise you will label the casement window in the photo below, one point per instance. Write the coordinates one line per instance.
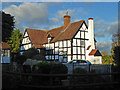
(5, 52)
(69, 50)
(82, 43)
(49, 52)
(60, 44)
(74, 50)
(56, 51)
(69, 43)
(65, 45)
(56, 44)
(74, 42)
(78, 42)
(83, 50)
(78, 50)
(56, 56)
(82, 34)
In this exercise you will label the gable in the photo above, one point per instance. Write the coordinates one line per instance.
(26, 38)
(57, 34)
(26, 34)
(95, 52)
(82, 27)
(37, 36)
(69, 31)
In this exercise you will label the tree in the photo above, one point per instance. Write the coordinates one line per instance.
(15, 41)
(116, 50)
(107, 59)
(30, 53)
(7, 25)
(116, 55)
(20, 59)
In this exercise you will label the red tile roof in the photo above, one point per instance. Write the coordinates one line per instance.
(60, 33)
(4, 45)
(69, 31)
(37, 36)
(95, 52)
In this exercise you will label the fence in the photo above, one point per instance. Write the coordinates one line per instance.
(91, 67)
(70, 81)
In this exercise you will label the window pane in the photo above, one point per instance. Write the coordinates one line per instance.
(82, 42)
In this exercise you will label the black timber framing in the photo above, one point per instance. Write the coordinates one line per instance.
(84, 39)
(66, 46)
(25, 44)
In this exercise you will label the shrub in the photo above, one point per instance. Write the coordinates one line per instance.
(20, 59)
(48, 68)
(42, 67)
(31, 52)
(79, 70)
(59, 69)
(26, 68)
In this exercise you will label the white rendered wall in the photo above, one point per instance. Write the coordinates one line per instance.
(78, 35)
(25, 47)
(26, 42)
(95, 59)
(91, 33)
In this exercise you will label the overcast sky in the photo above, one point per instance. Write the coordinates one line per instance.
(45, 16)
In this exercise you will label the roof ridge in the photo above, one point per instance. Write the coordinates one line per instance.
(55, 28)
(77, 21)
(36, 29)
(63, 30)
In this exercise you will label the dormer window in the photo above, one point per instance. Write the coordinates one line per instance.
(49, 38)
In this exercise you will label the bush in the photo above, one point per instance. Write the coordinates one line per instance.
(20, 59)
(48, 68)
(79, 71)
(27, 68)
(58, 69)
(30, 53)
(42, 67)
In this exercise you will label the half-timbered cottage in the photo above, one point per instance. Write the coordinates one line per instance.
(4, 53)
(71, 41)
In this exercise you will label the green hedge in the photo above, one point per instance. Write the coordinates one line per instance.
(48, 68)
(80, 71)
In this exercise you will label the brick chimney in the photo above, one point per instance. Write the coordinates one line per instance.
(66, 20)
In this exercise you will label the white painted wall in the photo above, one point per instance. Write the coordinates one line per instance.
(95, 59)
(77, 35)
(26, 41)
(91, 32)
(25, 47)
